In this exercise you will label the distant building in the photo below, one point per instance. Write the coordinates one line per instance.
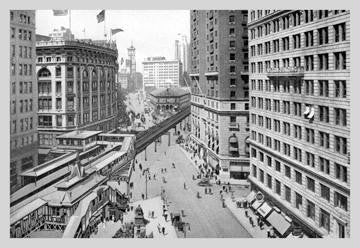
(76, 87)
(161, 73)
(23, 95)
(181, 51)
(123, 79)
(61, 34)
(169, 98)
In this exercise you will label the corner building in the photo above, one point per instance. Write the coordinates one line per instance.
(300, 112)
(23, 95)
(76, 86)
(219, 87)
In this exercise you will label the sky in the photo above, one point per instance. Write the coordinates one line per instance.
(152, 32)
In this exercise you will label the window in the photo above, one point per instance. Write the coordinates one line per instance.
(261, 156)
(232, 31)
(269, 181)
(232, 43)
(324, 165)
(298, 177)
(277, 187)
(287, 171)
(309, 16)
(340, 116)
(268, 158)
(340, 60)
(287, 193)
(232, 68)
(232, 93)
(324, 139)
(309, 87)
(231, 18)
(297, 109)
(324, 88)
(261, 176)
(20, 34)
(323, 36)
(309, 63)
(340, 201)
(298, 200)
(277, 166)
(340, 32)
(323, 61)
(286, 150)
(309, 39)
(341, 172)
(276, 46)
(310, 209)
(232, 56)
(310, 159)
(340, 88)
(310, 184)
(232, 106)
(325, 192)
(285, 43)
(324, 114)
(254, 171)
(324, 219)
(341, 145)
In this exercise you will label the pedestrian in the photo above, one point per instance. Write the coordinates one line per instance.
(258, 220)
(184, 185)
(159, 227)
(205, 190)
(246, 213)
(163, 230)
(165, 216)
(142, 196)
(154, 177)
(268, 233)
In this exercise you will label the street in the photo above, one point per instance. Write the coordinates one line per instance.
(207, 217)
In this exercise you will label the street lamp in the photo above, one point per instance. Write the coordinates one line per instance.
(146, 173)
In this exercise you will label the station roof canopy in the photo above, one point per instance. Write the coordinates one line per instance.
(25, 210)
(78, 134)
(169, 92)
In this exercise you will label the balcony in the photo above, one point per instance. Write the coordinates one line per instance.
(286, 72)
(233, 126)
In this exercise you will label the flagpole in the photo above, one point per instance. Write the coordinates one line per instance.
(104, 24)
(70, 19)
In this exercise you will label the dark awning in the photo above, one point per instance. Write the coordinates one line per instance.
(278, 222)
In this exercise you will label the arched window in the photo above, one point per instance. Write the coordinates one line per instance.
(44, 72)
(93, 74)
(85, 73)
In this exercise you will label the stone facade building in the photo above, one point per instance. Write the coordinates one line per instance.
(219, 86)
(300, 115)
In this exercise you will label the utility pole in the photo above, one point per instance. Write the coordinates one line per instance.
(169, 139)
(145, 155)
(146, 174)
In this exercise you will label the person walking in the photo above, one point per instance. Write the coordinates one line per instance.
(184, 185)
(163, 230)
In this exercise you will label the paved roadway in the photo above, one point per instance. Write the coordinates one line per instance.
(207, 217)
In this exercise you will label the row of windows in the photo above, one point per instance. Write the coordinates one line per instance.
(308, 62)
(48, 59)
(285, 22)
(296, 199)
(25, 106)
(324, 165)
(322, 39)
(25, 19)
(22, 34)
(23, 141)
(24, 69)
(306, 87)
(25, 124)
(24, 87)
(340, 114)
(340, 143)
(23, 51)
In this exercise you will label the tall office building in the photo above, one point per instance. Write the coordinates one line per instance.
(181, 51)
(300, 112)
(23, 95)
(76, 87)
(219, 87)
(161, 73)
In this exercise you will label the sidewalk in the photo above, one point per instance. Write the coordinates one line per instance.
(239, 214)
(154, 204)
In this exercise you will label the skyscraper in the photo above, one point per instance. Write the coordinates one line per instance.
(300, 111)
(23, 95)
(219, 86)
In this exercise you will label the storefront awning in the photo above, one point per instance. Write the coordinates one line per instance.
(265, 209)
(250, 197)
(278, 222)
(257, 204)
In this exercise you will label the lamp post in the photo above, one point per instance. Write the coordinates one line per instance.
(146, 174)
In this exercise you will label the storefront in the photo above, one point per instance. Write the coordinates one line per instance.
(239, 170)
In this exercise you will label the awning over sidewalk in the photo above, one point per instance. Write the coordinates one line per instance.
(265, 209)
(251, 196)
(278, 222)
(256, 204)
